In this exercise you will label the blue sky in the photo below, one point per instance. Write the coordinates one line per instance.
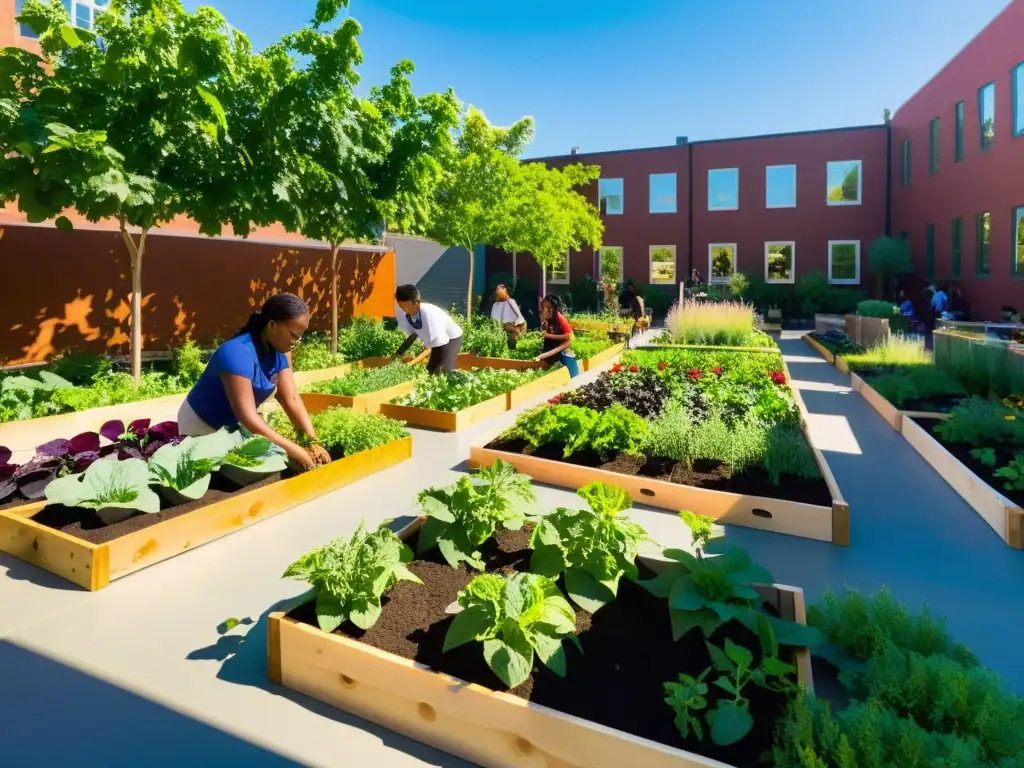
(606, 75)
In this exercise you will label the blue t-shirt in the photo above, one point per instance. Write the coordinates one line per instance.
(239, 356)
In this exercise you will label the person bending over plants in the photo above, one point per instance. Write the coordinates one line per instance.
(245, 371)
(441, 335)
(557, 337)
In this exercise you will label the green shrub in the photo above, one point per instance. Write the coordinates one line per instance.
(188, 362)
(915, 383)
(884, 310)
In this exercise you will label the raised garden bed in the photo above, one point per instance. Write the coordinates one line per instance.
(930, 407)
(817, 346)
(970, 476)
(92, 544)
(649, 430)
(402, 667)
(364, 388)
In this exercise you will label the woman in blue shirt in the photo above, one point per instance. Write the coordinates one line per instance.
(244, 372)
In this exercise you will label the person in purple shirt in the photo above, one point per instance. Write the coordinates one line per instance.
(245, 371)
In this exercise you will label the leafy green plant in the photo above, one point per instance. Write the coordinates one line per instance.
(594, 547)
(789, 454)
(22, 397)
(701, 527)
(676, 435)
(461, 517)
(181, 471)
(343, 431)
(485, 337)
(981, 423)
(350, 576)
(515, 618)
(880, 309)
(916, 383)
(368, 337)
(107, 484)
(897, 351)
(686, 698)
(618, 430)
(984, 456)
(1012, 474)
(251, 458)
(568, 425)
(457, 390)
(188, 363)
(313, 353)
(360, 381)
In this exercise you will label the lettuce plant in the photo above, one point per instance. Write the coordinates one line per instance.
(349, 576)
(181, 471)
(107, 484)
(593, 547)
(514, 617)
(461, 517)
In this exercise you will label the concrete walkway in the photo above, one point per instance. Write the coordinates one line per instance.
(138, 674)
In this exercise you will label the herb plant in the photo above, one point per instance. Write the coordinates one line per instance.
(350, 576)
(457, 390)
(360, 381)
(1012, 474)
(688, 698)
(106, 484)
(343, 431)
(568, 425)
(461, 517)
(594, 547)
(979, 423)
(514, 617)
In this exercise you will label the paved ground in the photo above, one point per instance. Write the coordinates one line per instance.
(138, 675)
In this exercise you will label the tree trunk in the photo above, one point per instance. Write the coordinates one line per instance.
(469, 292)
(334, 298)
(135, 252)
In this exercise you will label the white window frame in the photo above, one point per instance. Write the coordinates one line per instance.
(622, 260)
(735, 259)
(856, 263)
(860, 183)
(650, 265)
(549, 277)
(767, 169)
(94, 6)
(792, 266)
(675, 193)
(724, 208)
(622, 196)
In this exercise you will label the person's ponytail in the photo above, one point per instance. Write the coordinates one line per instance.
(254, 325)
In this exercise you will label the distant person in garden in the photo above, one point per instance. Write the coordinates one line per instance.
(906, 305)
(244, 372)
(506, 311)
(940, 300)
(441, 335)
(631, 304)
(959, 308)
(694, 277)
(557, 337)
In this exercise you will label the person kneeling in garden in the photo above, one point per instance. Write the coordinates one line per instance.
(441, 335)
(506, 311)
(557, 337)
(244, 372)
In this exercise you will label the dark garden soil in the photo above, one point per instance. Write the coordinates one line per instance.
(1004, 455)
(617, 682)
(707, 474)
(18, 501)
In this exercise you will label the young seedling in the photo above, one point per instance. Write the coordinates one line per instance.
(687, 700)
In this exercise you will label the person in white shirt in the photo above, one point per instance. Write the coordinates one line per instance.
(441, 335)
(506, 312)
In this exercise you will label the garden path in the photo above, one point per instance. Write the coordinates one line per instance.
(138, 675)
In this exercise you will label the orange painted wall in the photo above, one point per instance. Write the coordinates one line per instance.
(71, 291)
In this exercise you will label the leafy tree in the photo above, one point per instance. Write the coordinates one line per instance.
(549, 217)
(125, 130)
(474, 196)
(888, 258)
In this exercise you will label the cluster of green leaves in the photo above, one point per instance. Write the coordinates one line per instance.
(361, 381)
(884, 310)
(342, 431)
(313, 353)
(482, 335)
(593, 547)
(611, 431)
(462, 516)
(350, 576)
(895, 353)
(368, 337)
(981, 422)
(915, 384)
(515, 617)
(457, 390)
(677, 435)
(917, 697)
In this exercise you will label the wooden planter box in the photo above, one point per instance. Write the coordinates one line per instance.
(893, 416)
(707, 348)
(468, 361)
(1002, 515)
(817, 347)
(602, 357)
(490, 728)
(94, 566)
(867, 331)
(367, 403)
(302, 378)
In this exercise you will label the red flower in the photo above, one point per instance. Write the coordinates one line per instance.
(662, 365)
(718, 371)
(694, 373)
(778, 377)
(617, 367)
(634, 369)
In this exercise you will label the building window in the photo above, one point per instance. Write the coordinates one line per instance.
(559, 271)
(958, 130)
(663, 264)
(663, 193)
(844, 262)
(933, 145)
(982, 224)
(906, 162)
(1018, 100)
(1017, 266)
(956, 240)
(81, 13)
(610, 196)
(780, 186)
(779, 262)
(721, 262)
(929, 252)
(987, 115)
(842, 180)
(611, 264)
(723, 189)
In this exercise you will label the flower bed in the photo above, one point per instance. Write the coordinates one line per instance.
(456, 400)
(718, 431)
(510, 640)
(363, 389)
(978, 448)
(103, 505)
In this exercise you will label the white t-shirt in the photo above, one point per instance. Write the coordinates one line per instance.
(507, 312)
(437, 328)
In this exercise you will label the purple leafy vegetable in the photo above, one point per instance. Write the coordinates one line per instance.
(138, 440)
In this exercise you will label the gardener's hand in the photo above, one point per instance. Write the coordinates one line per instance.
(301, 456)
(320, 455)
(407, 359)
